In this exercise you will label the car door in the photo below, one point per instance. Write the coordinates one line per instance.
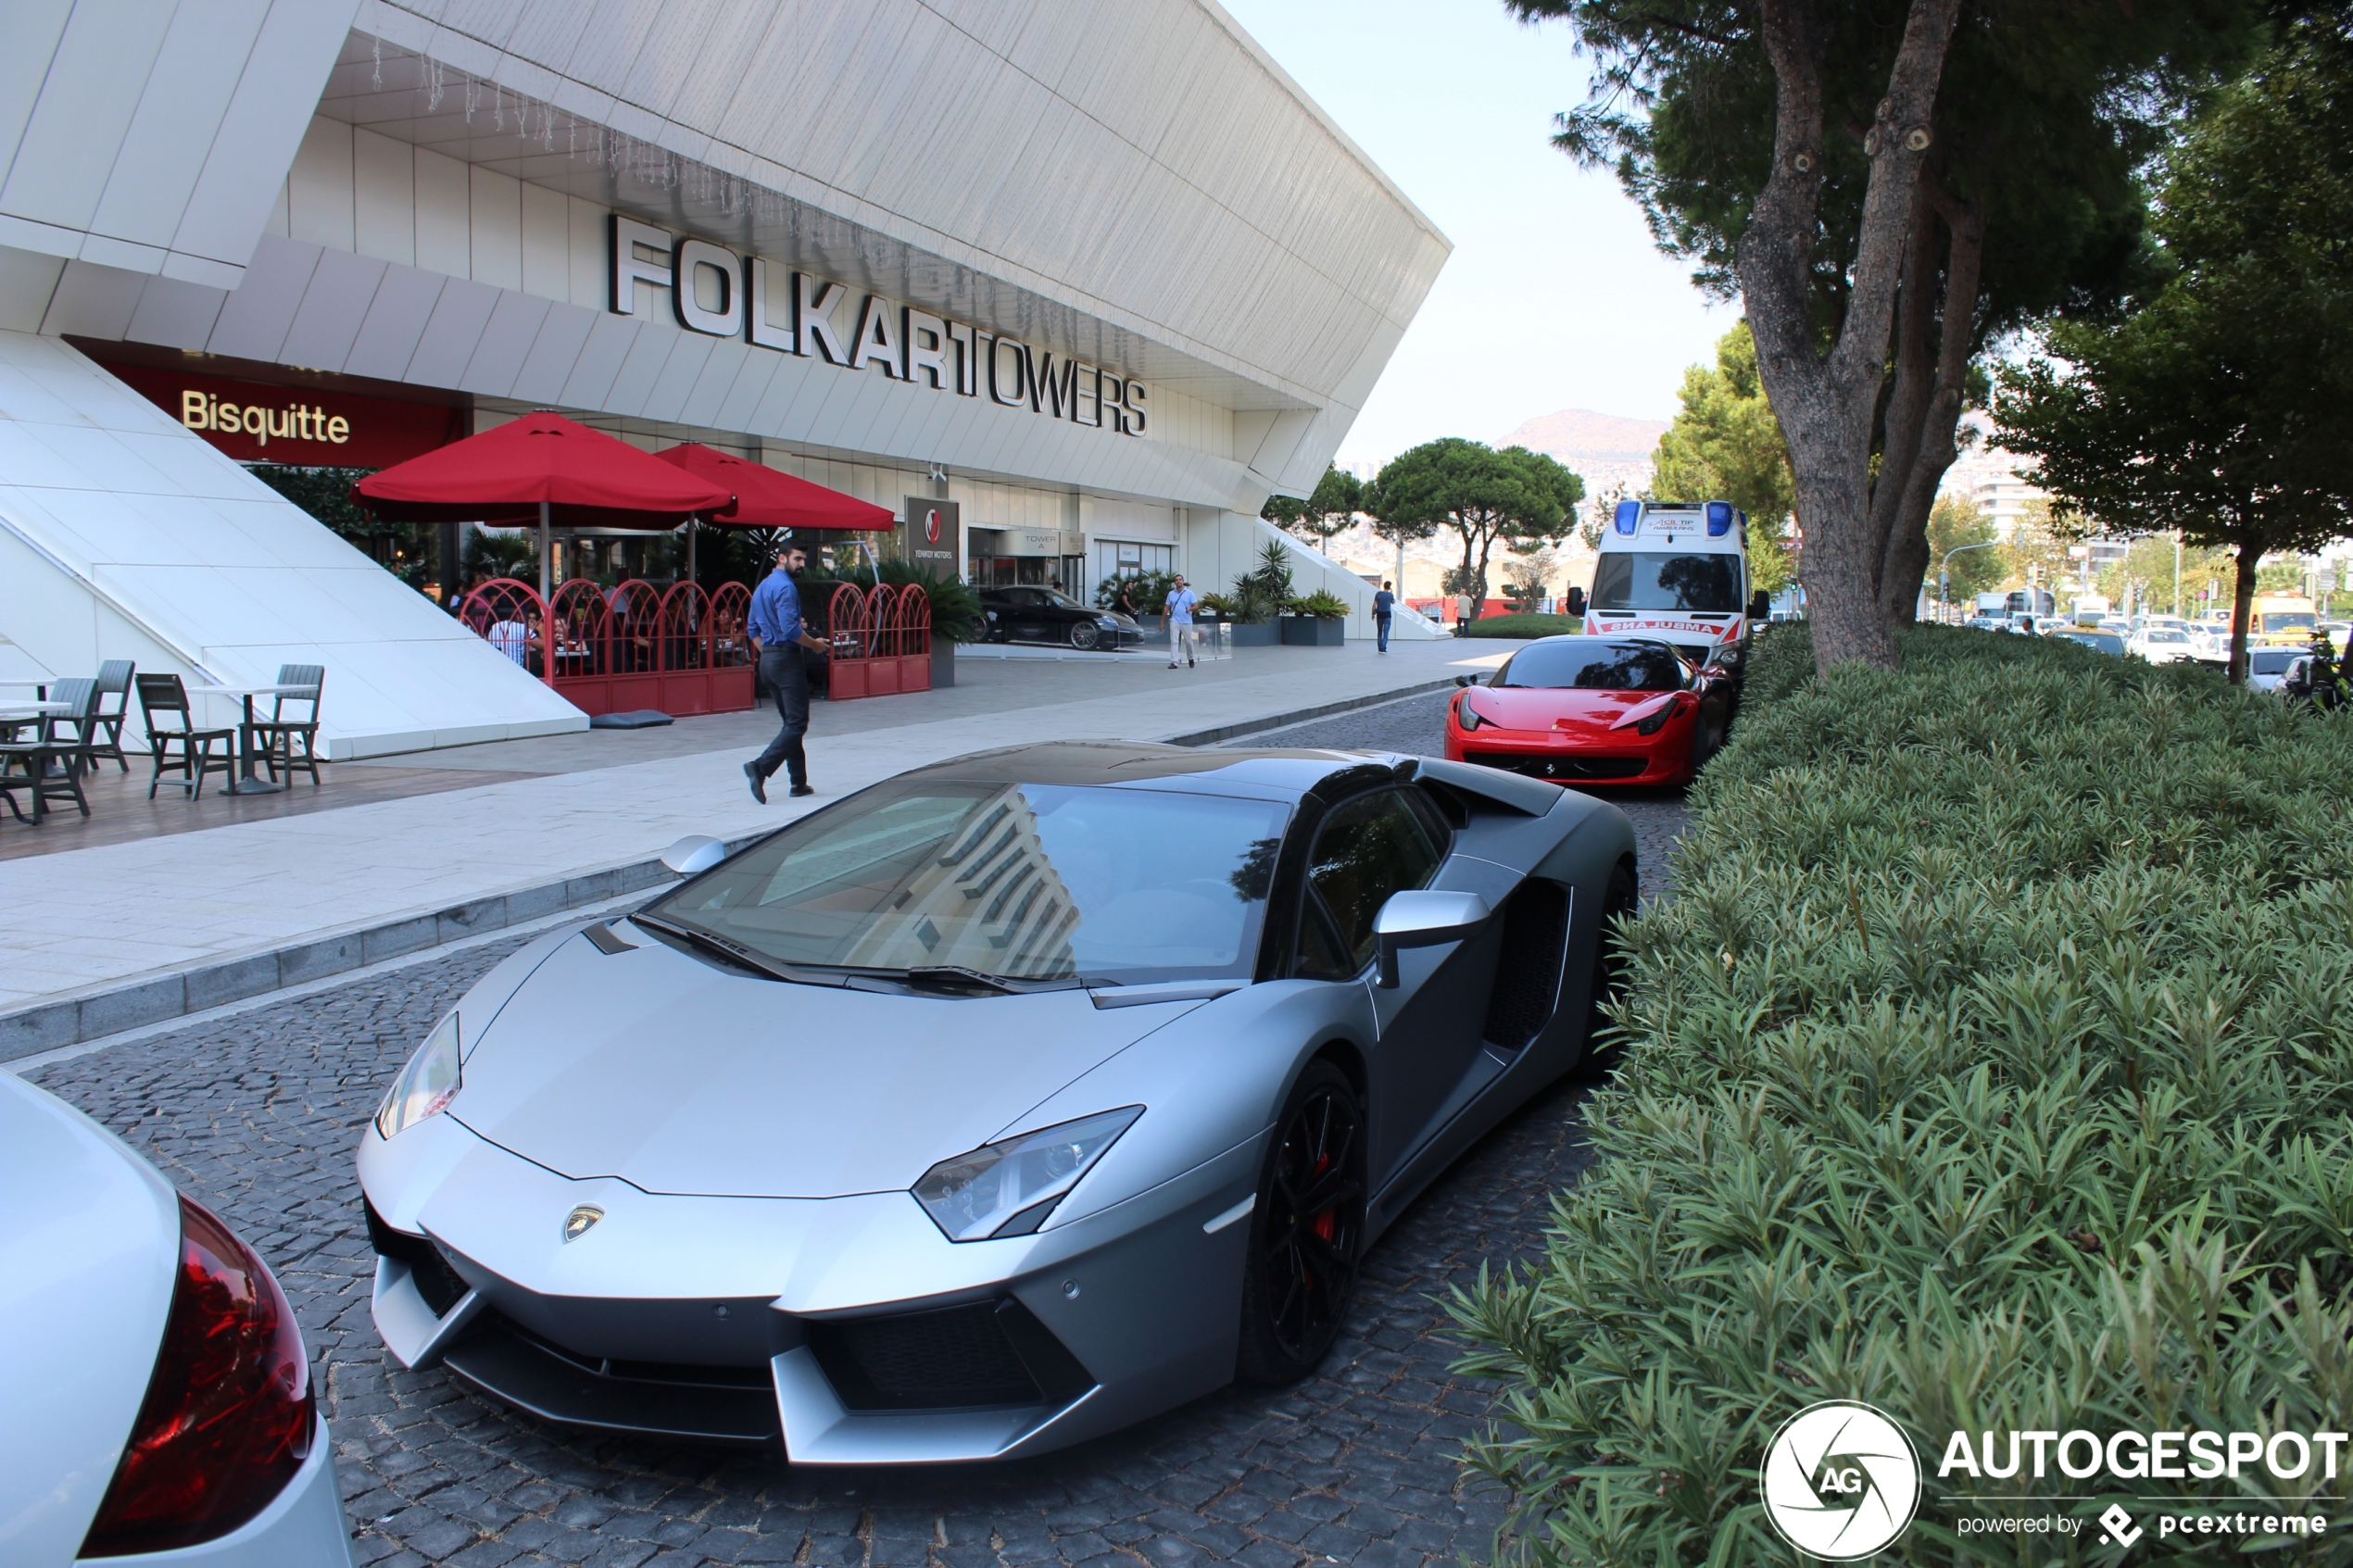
(1033, 621)
(1428, 1046)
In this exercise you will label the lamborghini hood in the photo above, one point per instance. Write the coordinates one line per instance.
(677, 1077)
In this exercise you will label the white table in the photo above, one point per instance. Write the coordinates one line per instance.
(243, 782)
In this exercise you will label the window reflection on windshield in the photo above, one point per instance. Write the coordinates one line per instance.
(1659, 580)
(1037, 881)
(1576, 663)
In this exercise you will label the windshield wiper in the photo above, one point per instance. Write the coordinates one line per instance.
(949, 976)
(733, 952)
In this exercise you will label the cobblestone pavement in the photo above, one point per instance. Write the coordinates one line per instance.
(257, 1116)
(1418, 724)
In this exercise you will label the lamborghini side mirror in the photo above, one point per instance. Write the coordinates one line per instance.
(694, 855)
(1424, 918)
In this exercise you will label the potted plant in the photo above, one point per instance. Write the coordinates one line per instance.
(1259, 597)
(1319, 621)
(955, 611)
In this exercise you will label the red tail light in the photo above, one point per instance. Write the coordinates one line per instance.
(228, 1413)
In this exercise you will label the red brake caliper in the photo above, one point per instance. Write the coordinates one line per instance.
(1324, 1223)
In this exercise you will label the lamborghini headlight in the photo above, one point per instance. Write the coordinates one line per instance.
(427, 1085)
(1009, 1187)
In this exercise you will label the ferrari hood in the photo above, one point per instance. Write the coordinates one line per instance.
(1542, 707)
(677, 1077)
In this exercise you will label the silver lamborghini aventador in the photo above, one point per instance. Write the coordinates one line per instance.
(991, 1108)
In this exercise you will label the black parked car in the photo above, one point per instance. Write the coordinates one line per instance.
(1047, 615)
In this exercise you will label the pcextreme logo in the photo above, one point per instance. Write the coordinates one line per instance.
(1840, 1480)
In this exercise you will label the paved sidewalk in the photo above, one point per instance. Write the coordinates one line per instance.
(122, 935)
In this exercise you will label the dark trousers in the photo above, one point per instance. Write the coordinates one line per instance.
(1380, 624)
(786, 678)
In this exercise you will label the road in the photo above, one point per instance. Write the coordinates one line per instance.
(257, 1116)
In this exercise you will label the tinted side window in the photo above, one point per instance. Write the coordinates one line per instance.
(1366, 850)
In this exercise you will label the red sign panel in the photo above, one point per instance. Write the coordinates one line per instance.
(301, 426)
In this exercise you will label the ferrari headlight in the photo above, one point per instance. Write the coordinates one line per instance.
(1469, 715)
(427, 1085)
(1650, 723)
(1008, 1188)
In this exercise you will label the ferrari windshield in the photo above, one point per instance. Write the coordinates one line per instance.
(1660, 580)
(1594, 664)
(1021, 881)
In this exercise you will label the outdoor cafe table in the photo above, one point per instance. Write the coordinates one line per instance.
(243, 783)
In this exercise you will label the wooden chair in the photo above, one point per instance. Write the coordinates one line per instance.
(112, 713)
(165, 702)
(277, 734)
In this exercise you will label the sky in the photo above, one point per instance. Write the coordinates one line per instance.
(1555, 296)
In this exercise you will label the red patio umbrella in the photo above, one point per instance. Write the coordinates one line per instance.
(766, 497)
(540, 466)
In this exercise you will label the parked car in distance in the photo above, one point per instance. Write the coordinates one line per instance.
(1593, 710)
(2161, 644)
(2104, 642)
(2267, 668)
(1048, 615)
(158, 1395)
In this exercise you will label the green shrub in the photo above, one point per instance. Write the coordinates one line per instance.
(1992, 1063)
(1323, 604)
(1522, 626)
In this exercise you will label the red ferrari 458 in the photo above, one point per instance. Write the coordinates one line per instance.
(1584, 710)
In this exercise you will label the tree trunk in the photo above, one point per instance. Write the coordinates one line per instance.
(1906, 552)
(1827, 405)
(2242, 607)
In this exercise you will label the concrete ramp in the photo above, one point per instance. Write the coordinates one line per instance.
(123, 535)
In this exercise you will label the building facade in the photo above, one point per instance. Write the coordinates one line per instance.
(1097, 272)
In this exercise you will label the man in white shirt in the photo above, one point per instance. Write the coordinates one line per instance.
(1179, 607)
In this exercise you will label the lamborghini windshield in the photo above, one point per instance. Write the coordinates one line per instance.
(1024, 882)
(1657, 580)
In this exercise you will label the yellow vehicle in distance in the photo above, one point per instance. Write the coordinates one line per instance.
(2281, 620)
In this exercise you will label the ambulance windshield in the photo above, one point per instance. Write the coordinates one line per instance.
(1661, 580)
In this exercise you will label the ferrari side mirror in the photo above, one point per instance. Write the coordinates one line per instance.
(694, 854)
(1424, 918)
(1466, 680)
(1760, 606)
(1576, 602)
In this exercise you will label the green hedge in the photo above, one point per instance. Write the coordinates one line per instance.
(1992, 1063)
(1520, 626)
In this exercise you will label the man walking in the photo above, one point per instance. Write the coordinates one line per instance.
(1179, 605)
(777, 630)
(1384, 606)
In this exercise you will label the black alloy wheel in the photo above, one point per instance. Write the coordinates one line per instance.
(1083, 635)
(1306, 1230)
(1619, 900)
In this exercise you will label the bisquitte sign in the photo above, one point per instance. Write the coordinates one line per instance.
(300, 426)
(711, 290)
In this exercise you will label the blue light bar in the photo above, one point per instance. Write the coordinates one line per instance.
(1720, 519)
(1629, 517)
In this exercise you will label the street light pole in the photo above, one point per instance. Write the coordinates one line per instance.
(1944, 578)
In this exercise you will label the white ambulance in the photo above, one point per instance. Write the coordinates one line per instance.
(1677, 570)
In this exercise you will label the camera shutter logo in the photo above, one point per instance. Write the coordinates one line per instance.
(1840, 1480)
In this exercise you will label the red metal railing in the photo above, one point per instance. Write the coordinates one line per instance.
(879, 639)
(623, 648)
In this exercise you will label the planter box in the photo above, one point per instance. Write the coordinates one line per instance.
(943, 665)
(1314, 631)
(1265, 635)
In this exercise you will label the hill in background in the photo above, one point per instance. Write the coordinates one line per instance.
(1576, 434)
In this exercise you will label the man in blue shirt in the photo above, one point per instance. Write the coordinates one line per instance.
(1179, 608)
(780, 635)
(1384, 606)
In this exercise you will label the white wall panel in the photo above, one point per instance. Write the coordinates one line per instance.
(174, 314)
(395, 321)
(546, 243)
(451, 332)
(506, 341)
(555, 354)
(384, 197)
(495, 216)
(253, 322)
(445, 215)
(327, 322)
(320, 187)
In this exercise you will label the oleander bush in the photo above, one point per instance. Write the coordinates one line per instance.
(1992, 1063)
